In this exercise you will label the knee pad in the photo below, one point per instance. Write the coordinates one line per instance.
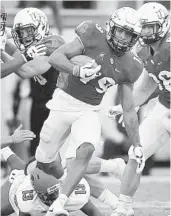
(46, 132)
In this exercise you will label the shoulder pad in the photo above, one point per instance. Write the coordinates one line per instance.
(135, 67)
(85, 28)
(86, 33)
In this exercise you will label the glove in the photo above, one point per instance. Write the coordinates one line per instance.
(34, 51)
(87, 72)
(136, 153)
(112, 111)
(120, 121)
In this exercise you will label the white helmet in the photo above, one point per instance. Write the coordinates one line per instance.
(127, 19)
(156, 15)
(30, 17)
(46, 186)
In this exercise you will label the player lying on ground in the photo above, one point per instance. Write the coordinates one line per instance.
(18, 136)
(30, 192)
(155, 129)
(14, 63)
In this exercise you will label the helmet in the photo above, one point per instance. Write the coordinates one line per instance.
(3, 20)
(126, 19)
(32, 20)
(156, 16)
(46, 186)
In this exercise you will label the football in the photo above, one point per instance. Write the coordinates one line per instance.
(82, 60)
(52, 43)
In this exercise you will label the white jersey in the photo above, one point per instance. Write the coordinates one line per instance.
(23, 197)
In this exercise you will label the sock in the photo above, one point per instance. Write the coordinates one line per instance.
(6, 153)
(59, 202)
(108, 198)
(108, 166)
(125, 201)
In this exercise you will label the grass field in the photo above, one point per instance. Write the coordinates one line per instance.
(152, 198)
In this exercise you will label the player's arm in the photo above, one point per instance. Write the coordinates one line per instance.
(11, 64)
(129, 113)
(35, 67)
(143, 88)
(90, 209)
(12, 159)
(60, 58)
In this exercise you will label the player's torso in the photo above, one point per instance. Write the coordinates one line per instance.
(43, 86)
(27, 200)
(113, 69)
(158, 67)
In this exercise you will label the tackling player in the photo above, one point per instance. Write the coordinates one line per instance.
(155, 129)
(13, 64)
(75, 107)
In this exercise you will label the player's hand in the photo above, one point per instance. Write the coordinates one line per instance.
(89, 71)
(113, 111)
(20, 135)
(34, 51)
(137, 154)
(121, 121)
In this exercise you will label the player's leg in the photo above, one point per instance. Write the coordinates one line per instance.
(101, 192)
(90, 209)
(153, 135)
(85, 133)
(52, 136)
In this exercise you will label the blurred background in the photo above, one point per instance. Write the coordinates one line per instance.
(16, 97)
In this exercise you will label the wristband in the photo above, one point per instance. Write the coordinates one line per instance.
(6, 153)
(76, 71)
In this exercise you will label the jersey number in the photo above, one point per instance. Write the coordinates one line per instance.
(80, 189)
(103, 84)
(165, 78)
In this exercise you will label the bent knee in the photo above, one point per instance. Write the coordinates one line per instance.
(85, 151)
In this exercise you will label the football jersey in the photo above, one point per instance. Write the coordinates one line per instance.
(158, 66)
(24, 198)
(114, 70)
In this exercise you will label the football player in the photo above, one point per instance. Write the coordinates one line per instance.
(155, 129)
(39, 66)
(14, 63)
(31, 194)
(75, 106)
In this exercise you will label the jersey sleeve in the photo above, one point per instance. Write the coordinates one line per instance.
(135, 69)
(85, 32)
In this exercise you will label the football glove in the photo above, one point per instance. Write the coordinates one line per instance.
(87, 72)
(34, 51)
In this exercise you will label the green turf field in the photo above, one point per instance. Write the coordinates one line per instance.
(152, 198)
